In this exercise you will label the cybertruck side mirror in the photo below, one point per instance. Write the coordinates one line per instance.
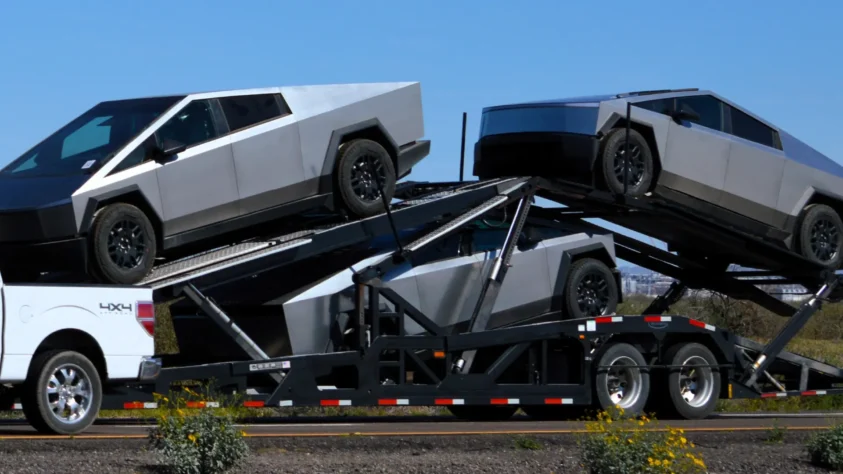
(168, 150)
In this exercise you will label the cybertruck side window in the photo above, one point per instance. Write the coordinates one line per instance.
(247, 110)
(192, 125)
(748, 128)
(661, 106)
(709, 109)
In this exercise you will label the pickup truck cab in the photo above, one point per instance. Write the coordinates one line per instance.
(62, 345)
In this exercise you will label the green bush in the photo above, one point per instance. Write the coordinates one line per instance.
(624, 445)
(826, 448)
(196, 441)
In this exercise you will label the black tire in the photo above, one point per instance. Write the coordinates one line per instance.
(133, 230)
(482, 413)
(590, 289)
(820, 220)
(621, 354)
(641, 169)
(672, 403)
(356, 189)
(36, 400)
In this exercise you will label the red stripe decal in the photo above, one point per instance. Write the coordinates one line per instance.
(696, 323)
(768, 395)
(500, 401)
(553, 401)
(254, 404)
(390, 401)
(652, 319)
(605, 319)
(329, 403)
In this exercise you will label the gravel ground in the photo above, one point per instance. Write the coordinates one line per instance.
(732, 453)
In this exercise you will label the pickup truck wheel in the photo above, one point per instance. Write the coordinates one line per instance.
(62, 394)
(124, 245)
(640, 165)
(820, 235)
(360, 162)
(590, 289)
(620, 381)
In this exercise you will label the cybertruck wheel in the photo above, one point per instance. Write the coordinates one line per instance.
(590, 289)
(820, 235)
(62, 394)
(640, 166)
(123, 242)
(360, 161)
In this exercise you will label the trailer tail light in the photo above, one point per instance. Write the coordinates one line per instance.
(145, 315)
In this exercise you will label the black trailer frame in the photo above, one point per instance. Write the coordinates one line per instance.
(546, 363)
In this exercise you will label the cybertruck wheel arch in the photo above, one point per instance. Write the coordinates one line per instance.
(130, 195)
(646, 130)
(371, 129)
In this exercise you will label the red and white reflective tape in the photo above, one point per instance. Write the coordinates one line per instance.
(701, 324)
(135, 405)
(558, 401)
(657, 319)
(335, 403)
(608, 319)
(505, 401)
(193, 404)
(811, 393)
(393, 401)
(449, 401)
(17, 406)
(773, 394)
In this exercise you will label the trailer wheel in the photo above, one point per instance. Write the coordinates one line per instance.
(640, 166)
(360, 162)
(590, 289)
(620, 382)
(62, 393)
(124, 246)
(482, 413)
(693, 391)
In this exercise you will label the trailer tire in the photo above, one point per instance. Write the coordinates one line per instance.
(590, 290)
(677, 404)
(633, 382)
(353, 160)
(482, 413)
(35, 397)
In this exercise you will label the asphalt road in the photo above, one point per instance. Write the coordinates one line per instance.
(430, 426)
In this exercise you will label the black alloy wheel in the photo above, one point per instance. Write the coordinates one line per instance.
(591, 289)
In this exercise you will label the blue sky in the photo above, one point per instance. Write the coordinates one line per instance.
(781, 60)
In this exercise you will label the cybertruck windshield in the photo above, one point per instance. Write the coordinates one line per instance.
(90, 140)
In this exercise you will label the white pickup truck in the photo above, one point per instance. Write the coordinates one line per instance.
(61, 344)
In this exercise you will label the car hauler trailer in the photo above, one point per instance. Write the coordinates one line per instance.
(545, 363)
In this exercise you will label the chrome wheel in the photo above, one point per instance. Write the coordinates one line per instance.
(69, 393)
(127, 244)
(624, 382)
(696, 383)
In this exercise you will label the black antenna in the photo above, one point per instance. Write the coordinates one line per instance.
(462, 147)
(626, 148)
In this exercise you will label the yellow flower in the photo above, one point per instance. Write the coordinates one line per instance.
(192, 437)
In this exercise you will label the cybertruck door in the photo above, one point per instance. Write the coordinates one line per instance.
(754, 174)
(697, 152)
(199, 185)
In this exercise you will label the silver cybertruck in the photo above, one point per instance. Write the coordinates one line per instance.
(132, 180)
(444, 284)
(689, 147)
